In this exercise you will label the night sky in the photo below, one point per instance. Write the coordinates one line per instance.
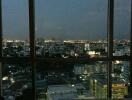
(65, 19)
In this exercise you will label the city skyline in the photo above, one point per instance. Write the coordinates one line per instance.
(77, 19)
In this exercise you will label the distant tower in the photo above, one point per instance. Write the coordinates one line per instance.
(125, 71)
(106, 49)
(87, 46)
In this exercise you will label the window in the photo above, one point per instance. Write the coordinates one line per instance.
(121, 30)
(15, 28)
(68, 27)
(46, 76)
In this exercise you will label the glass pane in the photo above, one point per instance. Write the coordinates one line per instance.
(71, 28)
(120, 79)
(71, 81)
(122, 27)
(15, 28)
(16, 81)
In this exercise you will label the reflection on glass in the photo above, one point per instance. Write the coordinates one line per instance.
(16, 81)
(122, 17)
(15, 28)
(120, 79)
(71, 81)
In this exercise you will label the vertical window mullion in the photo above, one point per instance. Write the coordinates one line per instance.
(0, 28)
(110, 46)
(130, 89)
(0, 47)
(32, 42)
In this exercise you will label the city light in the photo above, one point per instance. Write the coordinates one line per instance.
(73, 85)
(117, 62)
(5, 78)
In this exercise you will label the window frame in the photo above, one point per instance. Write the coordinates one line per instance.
(33, 59)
